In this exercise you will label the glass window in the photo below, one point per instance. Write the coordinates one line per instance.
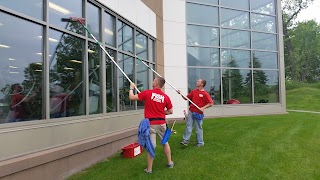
(153, 74)
(263, 6)
(237, 85)
(235, 58)
(265, 60)
(215, 2)
(93, 20)
(59, 9)
(266, 86)
(111, 89)
(141, 46)
(125, 35)
(238, 4)
(126, 64)
(212, 77)
(200, 35)
(110, 30)
(263, 23)
(32, 8)
(235, 38)
(94, 78)
(234, 19)
(203, 56)
(264, 41)
(66, 75)
(142, 80)
(151, 50)
(200, 14)
(21, 76)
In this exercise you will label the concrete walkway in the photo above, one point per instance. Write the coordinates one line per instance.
(314, 112)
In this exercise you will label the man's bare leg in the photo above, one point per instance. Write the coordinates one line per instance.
(150, 162)
(167, 152)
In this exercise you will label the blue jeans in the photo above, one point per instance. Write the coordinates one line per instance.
(190, 121)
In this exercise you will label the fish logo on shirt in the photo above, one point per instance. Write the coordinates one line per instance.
(157, 97)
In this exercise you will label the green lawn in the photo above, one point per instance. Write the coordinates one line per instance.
(304, 98)
(261, 147)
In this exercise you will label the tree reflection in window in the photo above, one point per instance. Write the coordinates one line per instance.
(66, 75)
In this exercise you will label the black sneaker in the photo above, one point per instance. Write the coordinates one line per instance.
(184, 142)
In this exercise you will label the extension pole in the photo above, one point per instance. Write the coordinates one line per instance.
(80, 21)
(168, 83)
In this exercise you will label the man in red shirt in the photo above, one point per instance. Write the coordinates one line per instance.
(202, 99)
(18, 104)
(157, 105)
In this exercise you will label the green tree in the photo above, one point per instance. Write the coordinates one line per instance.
(305, 38)
(232, 81)
(290, 11)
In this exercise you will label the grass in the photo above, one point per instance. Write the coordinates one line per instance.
(304, 98)
(259, 147)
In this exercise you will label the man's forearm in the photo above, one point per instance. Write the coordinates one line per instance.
(207, 106)
(132, 96)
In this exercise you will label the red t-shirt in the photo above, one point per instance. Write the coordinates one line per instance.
(200, 98)
(155, 103)
(18, 106)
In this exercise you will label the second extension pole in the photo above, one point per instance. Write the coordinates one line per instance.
(168, 83)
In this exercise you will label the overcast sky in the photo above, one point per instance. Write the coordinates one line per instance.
(312, 12)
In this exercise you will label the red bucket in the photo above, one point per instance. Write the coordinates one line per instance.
(131, 150)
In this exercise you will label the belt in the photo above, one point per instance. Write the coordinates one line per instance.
(153, 119)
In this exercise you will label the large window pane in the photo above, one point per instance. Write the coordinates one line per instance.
(151, 50)
(263, 23)
(66, 75)
(110, 30)
(235, 38)
(212, 77)
(265, 60)
(234, 19)
(235, 58)
(238, 4)
(214, 2)
(126, 64)
(32, 8)
(125, 36)
(200, 35)
(237, 85)
(201, 14)
(111, 89)
(59, 9)
(94, 78)
(93, 20)
(142, 80)
(263, 6)
(21, 75)
(203, 56)
(266, 86)
(141, 46)
(264, 41)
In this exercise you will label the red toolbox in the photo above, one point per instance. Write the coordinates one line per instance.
(132, 150)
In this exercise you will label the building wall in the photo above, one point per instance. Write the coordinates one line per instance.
(175, 54)
(157, 8)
